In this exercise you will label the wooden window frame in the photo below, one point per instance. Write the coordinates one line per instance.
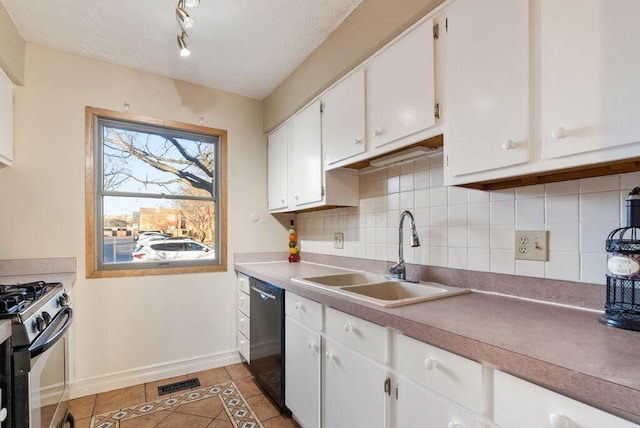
(92, 271)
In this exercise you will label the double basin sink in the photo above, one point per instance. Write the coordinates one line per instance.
(381, 291)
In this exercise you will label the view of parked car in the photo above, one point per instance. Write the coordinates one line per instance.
(171, 249)
(150, 233)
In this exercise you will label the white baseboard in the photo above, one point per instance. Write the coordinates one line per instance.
(109, 382)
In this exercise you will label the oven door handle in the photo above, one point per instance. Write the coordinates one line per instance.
(39, 348)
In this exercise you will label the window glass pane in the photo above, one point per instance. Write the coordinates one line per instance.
(133, 228)
(137, 161)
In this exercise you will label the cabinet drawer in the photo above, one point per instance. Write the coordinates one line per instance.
(243, 303)
(305, 311)
(243, 283)
(452, 376)
(521, 404)
(363, 336)
(244, 346)
(243, 325)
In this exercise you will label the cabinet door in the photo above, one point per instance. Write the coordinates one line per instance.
(417, 408)
(343, 115)
(302, 369)
(400, 87)
(520, 404)
(354, 389)
(590, 86)
(487, 85)
(277, 166)
(6, 120)
(306, 164)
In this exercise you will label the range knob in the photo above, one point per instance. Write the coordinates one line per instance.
(64, 300)
(39, 324)
(46, 316)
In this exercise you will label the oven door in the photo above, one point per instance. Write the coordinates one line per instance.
(42, 377)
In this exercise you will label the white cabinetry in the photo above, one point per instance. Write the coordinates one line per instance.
(243, 316)
(297, 179)
(302, 359)
(6, 120)
(400, 86)
(306, 163)
(343, 119)
(435, 385)
(278, 151)
(354, 378)
(520, 404)
(589, 61)
(487, 75)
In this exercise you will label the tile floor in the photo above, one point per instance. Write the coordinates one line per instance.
(186, 415)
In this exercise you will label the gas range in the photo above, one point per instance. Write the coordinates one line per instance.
(34, 370)
(31, 307)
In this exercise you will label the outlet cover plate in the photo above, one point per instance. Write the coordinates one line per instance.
(338, 240)
(532, 245)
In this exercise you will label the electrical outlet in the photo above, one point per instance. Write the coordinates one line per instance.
(531, 245)
(338, 240)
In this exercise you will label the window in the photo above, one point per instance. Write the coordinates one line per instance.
(155, 196)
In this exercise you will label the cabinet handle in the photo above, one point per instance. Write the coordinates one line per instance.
(298, 305)
(348, 327)
(311, 345)
(558, 420)
(430, 363)
(559, 133)
(242, 342)
(377, 132)
(358, 141)
(282, 201)
(329, 355)
(241, 297)
(508, 145)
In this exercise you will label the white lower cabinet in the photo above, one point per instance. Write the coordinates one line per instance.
(302, 373)
(419, 408)
(244, 322)
(354, 389)
(521, 404)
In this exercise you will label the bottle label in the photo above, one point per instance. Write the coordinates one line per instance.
(624, 265)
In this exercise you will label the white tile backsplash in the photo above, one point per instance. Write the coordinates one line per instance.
(472, 229)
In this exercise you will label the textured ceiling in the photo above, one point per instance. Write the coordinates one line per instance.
(243, 46)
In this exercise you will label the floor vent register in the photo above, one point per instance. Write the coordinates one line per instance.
(178, 386)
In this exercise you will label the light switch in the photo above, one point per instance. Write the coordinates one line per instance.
(338, 240)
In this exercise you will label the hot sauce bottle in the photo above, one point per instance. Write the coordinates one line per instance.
(293, 243)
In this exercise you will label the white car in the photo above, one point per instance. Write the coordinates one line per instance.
(172, 249)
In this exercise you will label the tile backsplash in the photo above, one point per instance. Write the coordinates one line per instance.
(471, 229)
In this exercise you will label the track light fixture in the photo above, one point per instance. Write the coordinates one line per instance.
(184, 22)
(182, 43)
(182, 16)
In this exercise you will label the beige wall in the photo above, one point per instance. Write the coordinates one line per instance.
(11, 49)
(127, 323)
(369, 27)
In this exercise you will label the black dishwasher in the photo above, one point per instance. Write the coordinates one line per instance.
(267, 339)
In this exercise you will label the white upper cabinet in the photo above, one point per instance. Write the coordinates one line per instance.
(487, 78)
(6, 120)
(278, 168)
(343, 116)
(306, 163)
(400, 87)
(590, 89)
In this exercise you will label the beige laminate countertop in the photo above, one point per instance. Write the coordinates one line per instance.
(559, 347)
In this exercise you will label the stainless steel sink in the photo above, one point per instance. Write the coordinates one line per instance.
(379, 290)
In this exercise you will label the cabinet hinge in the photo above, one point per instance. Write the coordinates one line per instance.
(322, 107)
(436, 110)
(387, 386)
(446, 25)
(446, 161)
(322, 191)
(436, 31)
(396, 392)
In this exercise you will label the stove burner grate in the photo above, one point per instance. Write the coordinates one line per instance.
(30, 290)
(12, 303)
